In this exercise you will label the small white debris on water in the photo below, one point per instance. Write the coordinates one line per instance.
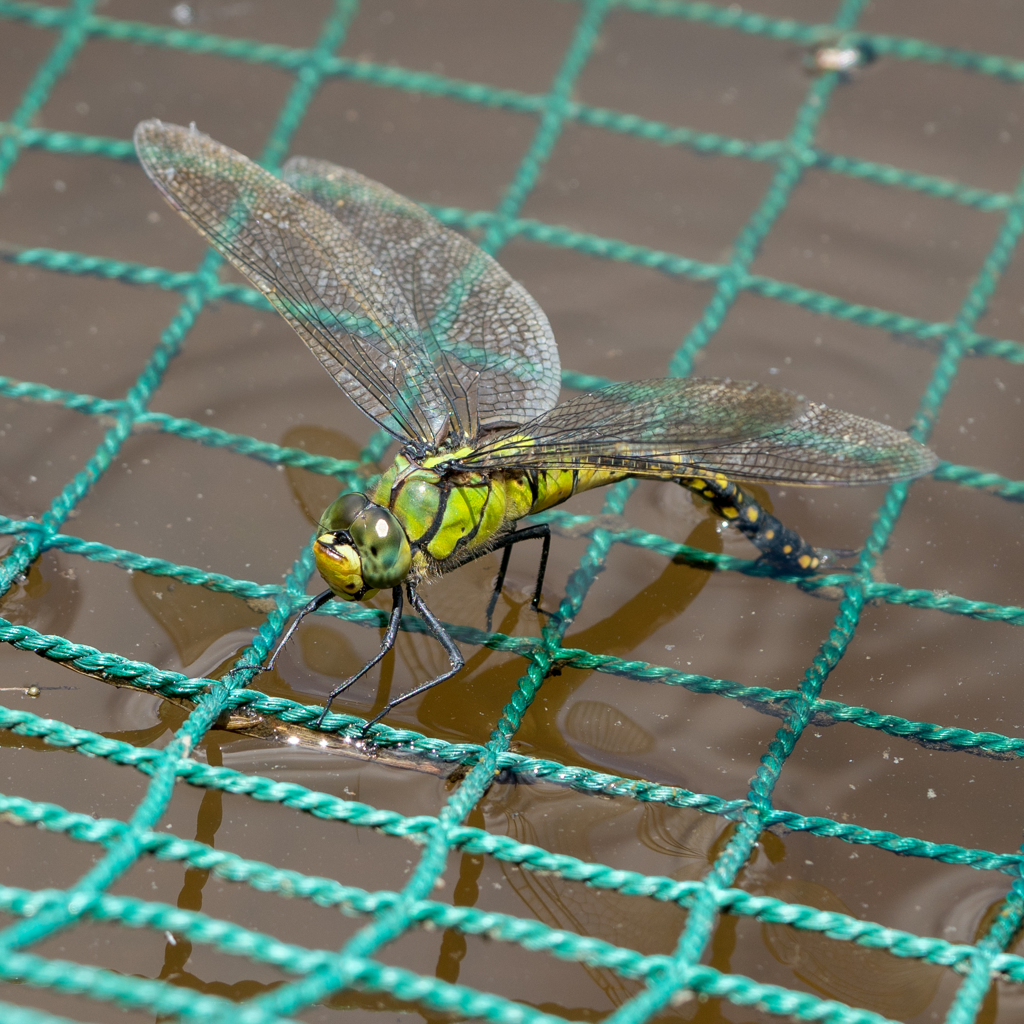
(837, 58)
(932, 794)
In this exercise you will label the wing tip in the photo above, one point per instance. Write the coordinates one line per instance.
(154, 133)
(154, 142)
(161, 145)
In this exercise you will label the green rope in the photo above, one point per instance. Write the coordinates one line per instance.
(591, 245)
(389, 915)
(72, 38)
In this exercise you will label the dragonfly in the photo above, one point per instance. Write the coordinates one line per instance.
(436, 343)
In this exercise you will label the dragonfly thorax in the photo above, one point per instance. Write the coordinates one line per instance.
(360, 548)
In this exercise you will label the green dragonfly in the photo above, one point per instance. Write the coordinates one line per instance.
(436, 344)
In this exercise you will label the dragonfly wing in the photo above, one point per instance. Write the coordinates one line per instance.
(489, 341)
(333, 291)
(687, 426)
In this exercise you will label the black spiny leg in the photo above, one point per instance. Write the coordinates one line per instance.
(780, 547)
(385, 645)
(318, 602)
(506, 542)
(441, 635)
(499, 583)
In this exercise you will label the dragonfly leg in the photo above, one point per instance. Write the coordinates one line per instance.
(443, 638)
(499, 582)
(780, 547)
(318, 602)
(538, 530)
(386, 644)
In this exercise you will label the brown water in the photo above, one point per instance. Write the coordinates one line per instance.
(243, 371)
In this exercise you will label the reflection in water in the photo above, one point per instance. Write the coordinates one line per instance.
(193, 617)
(467, 892)
(208, 629)
(198, 620)
(870, 978)
(1004, 999)
(476, 696)
(544, 730)
(682, 833)
(325, 651)
(46, 597)
(681, 842)
(313, 492)
(596, 724)
(179, 949)
(658, 604)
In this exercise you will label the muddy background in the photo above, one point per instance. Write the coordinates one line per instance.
(243, 371)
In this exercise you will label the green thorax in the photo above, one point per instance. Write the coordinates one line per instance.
(446, 515)
(449, 514)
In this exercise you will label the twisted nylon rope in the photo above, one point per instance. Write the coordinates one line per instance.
(323, 972)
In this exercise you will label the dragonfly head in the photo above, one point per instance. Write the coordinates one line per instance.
(360, 548)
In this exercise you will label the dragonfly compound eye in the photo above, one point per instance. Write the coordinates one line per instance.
(341, 513)
(382, 545)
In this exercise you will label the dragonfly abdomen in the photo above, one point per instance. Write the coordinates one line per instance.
(546, 488)
(778, 544)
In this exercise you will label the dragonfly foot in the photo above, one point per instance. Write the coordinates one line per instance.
(552, 617)
(364, 734)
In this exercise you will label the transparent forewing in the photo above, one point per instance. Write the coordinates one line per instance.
(334, 292)
(680, 427)
(489, 341)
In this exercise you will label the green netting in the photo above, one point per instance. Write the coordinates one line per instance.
(319, 972)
